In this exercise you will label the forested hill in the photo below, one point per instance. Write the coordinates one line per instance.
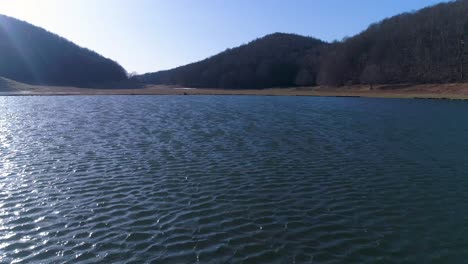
(33, 55)
(276, 60)
(427, 46)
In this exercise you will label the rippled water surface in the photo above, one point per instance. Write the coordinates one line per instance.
(162, 179)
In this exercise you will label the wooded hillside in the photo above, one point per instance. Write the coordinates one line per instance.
(276, 60)
(33, 55)
(427, 46)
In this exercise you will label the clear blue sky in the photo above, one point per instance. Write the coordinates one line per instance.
(151, 35)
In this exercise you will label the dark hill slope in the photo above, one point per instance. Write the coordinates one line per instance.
(272, 61)
(33, 55)
(427, 46)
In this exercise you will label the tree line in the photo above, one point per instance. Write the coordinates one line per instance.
(427, 46)
(274, 60)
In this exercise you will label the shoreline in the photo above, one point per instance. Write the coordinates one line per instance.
(426, 91)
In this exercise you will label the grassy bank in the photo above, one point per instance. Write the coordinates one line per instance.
(429, 91)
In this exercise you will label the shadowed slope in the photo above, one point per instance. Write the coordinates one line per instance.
(427, 46)
(33, 55)
(276, 60)
(7, 85)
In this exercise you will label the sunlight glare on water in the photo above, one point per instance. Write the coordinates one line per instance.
(232, 179)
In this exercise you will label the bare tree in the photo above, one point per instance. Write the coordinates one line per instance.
(371, 75)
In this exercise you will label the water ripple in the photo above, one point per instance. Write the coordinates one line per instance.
(232, 180)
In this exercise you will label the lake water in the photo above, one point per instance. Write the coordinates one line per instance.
(232, 179)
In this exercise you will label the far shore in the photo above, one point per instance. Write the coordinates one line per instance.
(425, 91)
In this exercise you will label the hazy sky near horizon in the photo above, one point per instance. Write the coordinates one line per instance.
(152, 35)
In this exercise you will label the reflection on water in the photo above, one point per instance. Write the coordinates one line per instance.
(232, 180)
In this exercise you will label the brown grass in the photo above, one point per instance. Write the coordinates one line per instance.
(429, 91)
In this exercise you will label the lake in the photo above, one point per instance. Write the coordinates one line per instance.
(232, 179)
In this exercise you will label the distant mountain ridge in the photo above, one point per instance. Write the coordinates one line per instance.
(276, 60)
(33, 55)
